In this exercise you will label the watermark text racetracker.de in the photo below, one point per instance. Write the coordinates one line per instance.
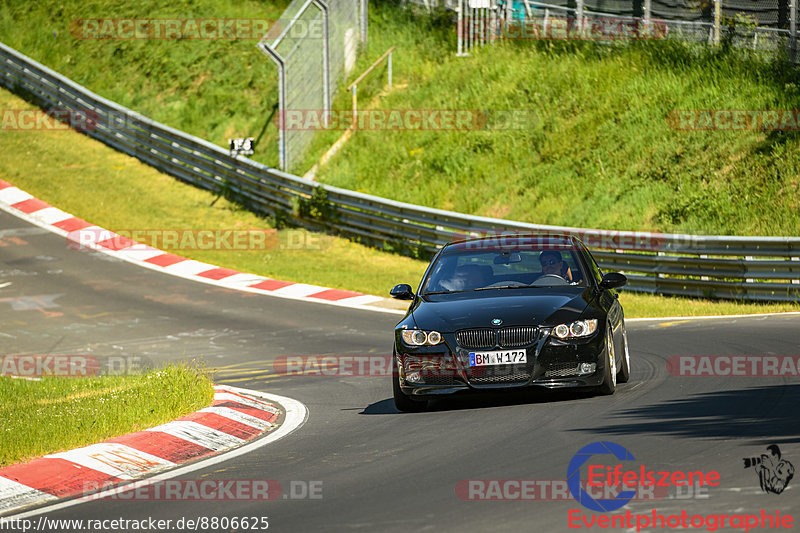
(333, 365)
(592, 238)
(36, 366)
(563, 28)
(406, 119)
(734, 365)
(51, 119)
(182, 239)
(156, 489)
(174, 29)
(553, 490)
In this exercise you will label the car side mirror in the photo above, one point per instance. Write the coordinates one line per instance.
(402, 292)
(613, 280)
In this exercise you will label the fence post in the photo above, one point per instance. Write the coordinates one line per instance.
(646, 16)
(326, 61)
(364, 23)
(492, 22)
(460, 28)
(579, 14)
(717, 17)
(281, 64)
(793, 30)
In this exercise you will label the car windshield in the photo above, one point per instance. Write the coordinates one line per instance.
(462, 270)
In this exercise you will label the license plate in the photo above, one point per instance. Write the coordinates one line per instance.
(497, 358)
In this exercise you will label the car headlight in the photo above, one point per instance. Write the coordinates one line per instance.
(418, 337)
(579, 328)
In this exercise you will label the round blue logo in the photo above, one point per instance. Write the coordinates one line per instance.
(496, 321)
(574, 477)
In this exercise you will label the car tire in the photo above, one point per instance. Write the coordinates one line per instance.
(624, 373)
(401, 400)
(609, 384)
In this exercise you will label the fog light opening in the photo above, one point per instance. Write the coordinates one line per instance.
(587, 368)
(414, 377)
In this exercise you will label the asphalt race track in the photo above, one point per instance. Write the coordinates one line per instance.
(381, 470)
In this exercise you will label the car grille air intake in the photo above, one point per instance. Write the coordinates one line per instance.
(560, 370)
(497, 375)
(485, 338)
(476, 338)
(517, 336)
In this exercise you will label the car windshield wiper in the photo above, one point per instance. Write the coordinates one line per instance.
(426, 293)
(506, 287)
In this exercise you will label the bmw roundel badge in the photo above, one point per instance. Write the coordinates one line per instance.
(496, 321)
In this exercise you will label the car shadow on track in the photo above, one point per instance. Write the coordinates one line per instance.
(484, 400)
(767, 413)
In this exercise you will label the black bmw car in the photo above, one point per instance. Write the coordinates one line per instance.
(508, 312)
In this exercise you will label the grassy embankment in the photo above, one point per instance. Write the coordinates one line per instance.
(600, 154)
(65, 167)
(60, 413)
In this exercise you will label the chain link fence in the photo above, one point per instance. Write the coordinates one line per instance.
(762, 25)
(314, 45)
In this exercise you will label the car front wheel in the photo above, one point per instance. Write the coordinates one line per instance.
(609, 384)
(624, 373)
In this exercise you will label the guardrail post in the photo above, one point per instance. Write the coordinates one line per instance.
(749, 258)
(717, 21)
(544, 22)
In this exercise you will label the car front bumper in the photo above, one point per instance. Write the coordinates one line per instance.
(431, 371)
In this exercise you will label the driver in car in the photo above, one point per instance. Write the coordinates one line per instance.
(553, 263)
(465, 278)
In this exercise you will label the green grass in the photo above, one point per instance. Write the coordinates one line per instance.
(61, 413)
(215, 89)
(94, 182)
(600, 152)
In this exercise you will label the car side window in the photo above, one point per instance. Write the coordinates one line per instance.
(596, 272)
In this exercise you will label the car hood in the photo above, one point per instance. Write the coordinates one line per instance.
(452, 312)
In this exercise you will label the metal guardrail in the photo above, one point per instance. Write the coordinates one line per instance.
(747, 268)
